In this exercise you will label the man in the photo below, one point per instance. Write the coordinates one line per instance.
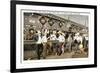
(87, 39)
(27, 47)
(61, 40)
(69, 40)
(53, 39)
(76, 41)
(44, 42)
(84, 41)
(39, 45)
(30, 34)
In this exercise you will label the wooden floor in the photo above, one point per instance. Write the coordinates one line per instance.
(62, 56)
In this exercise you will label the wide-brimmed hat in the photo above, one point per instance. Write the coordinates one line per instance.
(59, 32)
(63, 34)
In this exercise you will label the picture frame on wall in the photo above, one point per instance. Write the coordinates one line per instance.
(52, 36)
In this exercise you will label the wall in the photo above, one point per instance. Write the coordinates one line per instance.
(5, 36)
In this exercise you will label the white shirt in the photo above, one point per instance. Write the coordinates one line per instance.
(69, 39)
(87, 38)
(61, 38)
(53, 37)
(44, 38)
(39, 39)
(78, 38)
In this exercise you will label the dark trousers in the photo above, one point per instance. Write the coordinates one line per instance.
(54, 48)
(39, 50)
(59, 49)
(44, 53)
(69, 46)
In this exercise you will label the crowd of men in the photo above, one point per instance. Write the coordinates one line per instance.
(56, 42)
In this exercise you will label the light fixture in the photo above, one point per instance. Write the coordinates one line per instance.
(42, 20)
(51, 22)
(60, 24)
